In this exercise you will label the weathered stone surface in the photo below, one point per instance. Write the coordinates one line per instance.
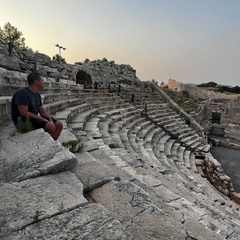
(34, 154)
(195, 230)
(92, 222)
(217, 177)
(161, 207)
(91, 171)
(23, 203)
(66, 136)
(134, 209)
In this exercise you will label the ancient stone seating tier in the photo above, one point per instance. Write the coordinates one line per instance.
(132, 181)
(118, 159)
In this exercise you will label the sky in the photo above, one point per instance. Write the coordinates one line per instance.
(191, 41)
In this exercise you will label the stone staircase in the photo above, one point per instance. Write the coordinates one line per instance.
(127, 142)
(133, 180)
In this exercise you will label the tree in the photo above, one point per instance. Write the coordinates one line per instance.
(11, 34)
(209, 84)
(58, 58)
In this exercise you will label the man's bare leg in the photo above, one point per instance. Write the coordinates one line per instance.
(54, 129)
(58, 129)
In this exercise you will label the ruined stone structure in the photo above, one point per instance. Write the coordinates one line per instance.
(175, 86)
(144, 172)
(219, 114)
(90, 74)
(198, 92)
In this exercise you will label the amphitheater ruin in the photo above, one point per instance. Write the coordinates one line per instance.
(146, 171)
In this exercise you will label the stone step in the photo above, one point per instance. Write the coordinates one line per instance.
(161, 113)
(36, 154)
(77, 122)
(134, 214)
(92, 221)
(58, 106)
(69, 112)
(186, 134)
(184, 129)
(5, 106)
(169, 197)
(48, 98)
(174, 126)
(192, 162)
(33, 200)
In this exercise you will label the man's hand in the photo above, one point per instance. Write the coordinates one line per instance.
(50, 120)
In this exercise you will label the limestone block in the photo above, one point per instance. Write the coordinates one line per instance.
(33, 154)
(133, 207)
(195, 230)
(66, 136)
(90, 171)
(236, 197)
(88, 222)
(26, 202)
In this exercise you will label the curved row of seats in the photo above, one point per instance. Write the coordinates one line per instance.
(140, 150)
(177, 186)
(120, 126)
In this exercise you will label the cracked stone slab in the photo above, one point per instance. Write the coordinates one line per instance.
(195, 230)
(34, 154)
(93, 173)
(24, 202)
(92, 222)
(66, 136)
(93, 144)
(133, 207)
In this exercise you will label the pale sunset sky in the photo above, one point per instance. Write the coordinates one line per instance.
(191, 41)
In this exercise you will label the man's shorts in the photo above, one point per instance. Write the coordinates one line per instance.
(39, 123)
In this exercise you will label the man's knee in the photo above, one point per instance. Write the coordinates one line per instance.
(50, 127)
(58, 124)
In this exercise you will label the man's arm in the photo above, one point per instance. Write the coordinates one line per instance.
(44, 114)
(23, 110)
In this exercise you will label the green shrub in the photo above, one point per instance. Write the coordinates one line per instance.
(74, 145)
(188, 107)
(24, 125)
(37, 216)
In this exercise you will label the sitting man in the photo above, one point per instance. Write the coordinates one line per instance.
(27, 105)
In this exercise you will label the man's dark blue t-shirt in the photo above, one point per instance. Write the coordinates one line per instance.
(24, 96)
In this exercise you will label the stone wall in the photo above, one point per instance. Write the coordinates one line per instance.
(175, 86)
(25, 60)
(107, 71)
(228, 111)
(226, 106)
(197, 92)
(214, 172)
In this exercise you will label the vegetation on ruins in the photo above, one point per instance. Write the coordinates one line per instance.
(60, 207)
(58, 58)
(219, 88)
(188, 104)
(209, 84)
(11, 34)
(24, 126)
(74, 146)
(37, 215)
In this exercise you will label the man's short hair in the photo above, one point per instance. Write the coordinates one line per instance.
(32, 77)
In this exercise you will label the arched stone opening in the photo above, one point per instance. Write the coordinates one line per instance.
(84, 78)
